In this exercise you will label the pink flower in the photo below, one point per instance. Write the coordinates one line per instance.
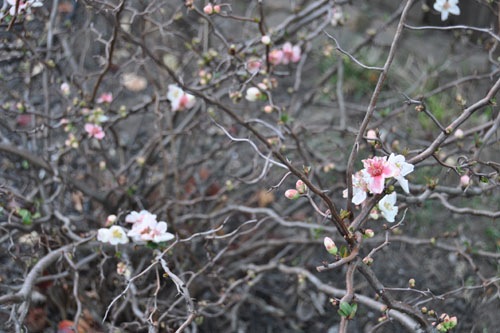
(105, 98)
(179, 99)
(378, 170)
(275, 57)
(290, 53)
(253, 65)
(94, 131)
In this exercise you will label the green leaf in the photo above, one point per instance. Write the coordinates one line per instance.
(343, 251)
(25, 216)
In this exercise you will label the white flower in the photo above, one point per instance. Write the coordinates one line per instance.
(253, 94)
(160, 233)
(387, 207)
(179, 99)
(134, 217)
(145, 228)
(401, 169)
(24, 6)
(114, 235)
(446, 7)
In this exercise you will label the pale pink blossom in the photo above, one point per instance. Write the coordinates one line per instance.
(359, 187)
(253, 65)
(275, 57)
(94, 131)
(105, 98)
(138, 217)
(378, 170)
(179, 99)
(146, 228)
(290, 53)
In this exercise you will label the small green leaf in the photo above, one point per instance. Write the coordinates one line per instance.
(25, 216)
(343, 251)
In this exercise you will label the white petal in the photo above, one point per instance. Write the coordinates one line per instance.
(403, 182)
(455, 10)
(444, 15)
(103, 235)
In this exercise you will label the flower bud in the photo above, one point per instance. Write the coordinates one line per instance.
(208, 9)
(374, 214)
(464, 181)
(367, 261)
(268, 109)
(369, 233)
(411, 283)
(217, 9)
(292, 194)
(330, 246)
(459, 134)
(266, 40)
(110, 220)
(300, 186)
(371, 134)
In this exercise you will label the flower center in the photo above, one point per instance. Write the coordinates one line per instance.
(376, 169)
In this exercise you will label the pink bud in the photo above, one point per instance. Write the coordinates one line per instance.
(268, 109)
(464, 181)
(208, 9)
(217, 9)
(110, 220)
(292, 194)
(330, 246)
(369, 233)
(300, 186)
(459, 134)
(371, 134)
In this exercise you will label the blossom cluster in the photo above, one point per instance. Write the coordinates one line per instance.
(179, 100)
(287, 54)
(24, 6)
(145, 228)
(371, 179)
